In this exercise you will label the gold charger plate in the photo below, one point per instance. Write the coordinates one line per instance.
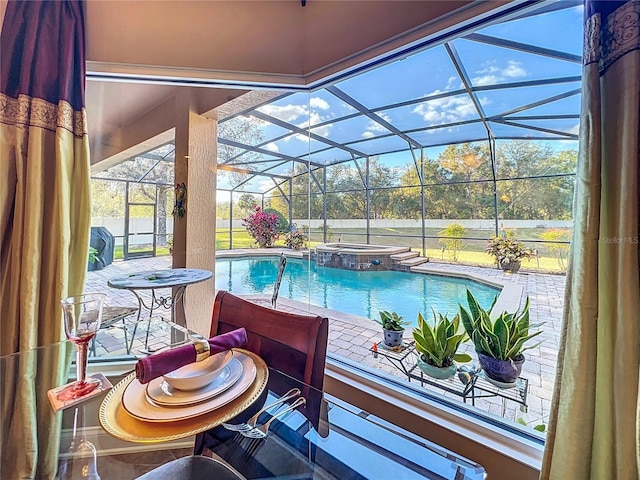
(119, 423)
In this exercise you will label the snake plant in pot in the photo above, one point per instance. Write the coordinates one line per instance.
(499, 340)
(392, 327)
(437, 345)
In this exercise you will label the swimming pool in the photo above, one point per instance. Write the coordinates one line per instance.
(358, 293)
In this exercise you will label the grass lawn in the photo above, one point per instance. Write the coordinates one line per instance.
(472, 252)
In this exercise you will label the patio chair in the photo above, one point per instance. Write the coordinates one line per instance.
(112, 315)
(292, 343)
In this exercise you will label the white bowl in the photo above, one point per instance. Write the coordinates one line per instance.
(198, 374)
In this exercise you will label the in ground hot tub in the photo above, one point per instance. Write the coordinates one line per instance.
(357, 256)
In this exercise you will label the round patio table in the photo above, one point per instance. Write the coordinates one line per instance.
(178, 279)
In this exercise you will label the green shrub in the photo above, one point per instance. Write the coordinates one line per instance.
(283, 224)
(451, 239)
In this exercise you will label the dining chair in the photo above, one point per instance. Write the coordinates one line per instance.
(294, 344)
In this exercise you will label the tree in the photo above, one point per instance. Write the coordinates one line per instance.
(466, 162)
(246, 202)
(244, 130)
(538, 198)
(107, 198)
(381, 178)
(158, 177)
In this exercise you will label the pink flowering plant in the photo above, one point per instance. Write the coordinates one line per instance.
(263, 227)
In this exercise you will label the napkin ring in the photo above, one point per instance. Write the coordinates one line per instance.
(202, 349)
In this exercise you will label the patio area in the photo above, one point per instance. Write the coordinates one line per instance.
(352, 337)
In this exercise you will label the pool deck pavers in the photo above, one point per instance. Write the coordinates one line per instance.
(352, 337)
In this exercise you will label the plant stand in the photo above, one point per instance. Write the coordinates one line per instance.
(478, 386)
(397, 358)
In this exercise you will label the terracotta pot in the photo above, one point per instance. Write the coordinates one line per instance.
(392, 338)
(441, 373)
(504, 371)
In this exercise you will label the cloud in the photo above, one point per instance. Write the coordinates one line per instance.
(299, 116)
(286, 113)
(514, 70)
(491, 74)
(446, 110)
(272, 147)
(317, 102)
(452, 83)
(374, 128)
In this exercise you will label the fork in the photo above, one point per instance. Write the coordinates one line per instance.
(261, 431)
(251, 422)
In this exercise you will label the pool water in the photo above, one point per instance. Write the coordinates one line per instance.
(358, 293)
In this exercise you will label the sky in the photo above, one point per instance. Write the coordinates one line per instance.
(431, 76)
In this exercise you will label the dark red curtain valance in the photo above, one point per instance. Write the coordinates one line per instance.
(30, 32)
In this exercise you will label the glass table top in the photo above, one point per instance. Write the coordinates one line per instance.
(326, 439)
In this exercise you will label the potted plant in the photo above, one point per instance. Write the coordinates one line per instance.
(437, 345)
(393, 328)
(96, 262)
(499, 341)
(295, 239)
(508, 252)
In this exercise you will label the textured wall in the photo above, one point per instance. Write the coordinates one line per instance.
(194, 234)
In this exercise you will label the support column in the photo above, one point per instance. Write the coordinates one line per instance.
(194, 233)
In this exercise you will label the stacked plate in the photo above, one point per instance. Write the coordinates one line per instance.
(157, 401)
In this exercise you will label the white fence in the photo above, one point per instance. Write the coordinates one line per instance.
(140, 227)
(470, 224)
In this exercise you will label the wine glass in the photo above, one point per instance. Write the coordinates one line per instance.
(81, 459)
(82, 317)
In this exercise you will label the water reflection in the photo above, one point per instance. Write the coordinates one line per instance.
(355, 292)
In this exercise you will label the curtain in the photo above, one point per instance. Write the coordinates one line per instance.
(44, 216)
(594, 428)
(44, 160)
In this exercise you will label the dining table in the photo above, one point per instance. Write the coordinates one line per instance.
(155, 283)
(109, 436)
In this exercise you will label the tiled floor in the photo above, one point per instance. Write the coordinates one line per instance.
(352, 337)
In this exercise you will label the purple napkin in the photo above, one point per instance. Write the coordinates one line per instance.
(156, 365)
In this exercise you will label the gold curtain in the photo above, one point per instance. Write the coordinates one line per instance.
(595, 418)
(44, 217)
(29, 448)
(44, 157)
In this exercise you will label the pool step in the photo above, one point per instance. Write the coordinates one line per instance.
(400, 257)
(412, 262)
